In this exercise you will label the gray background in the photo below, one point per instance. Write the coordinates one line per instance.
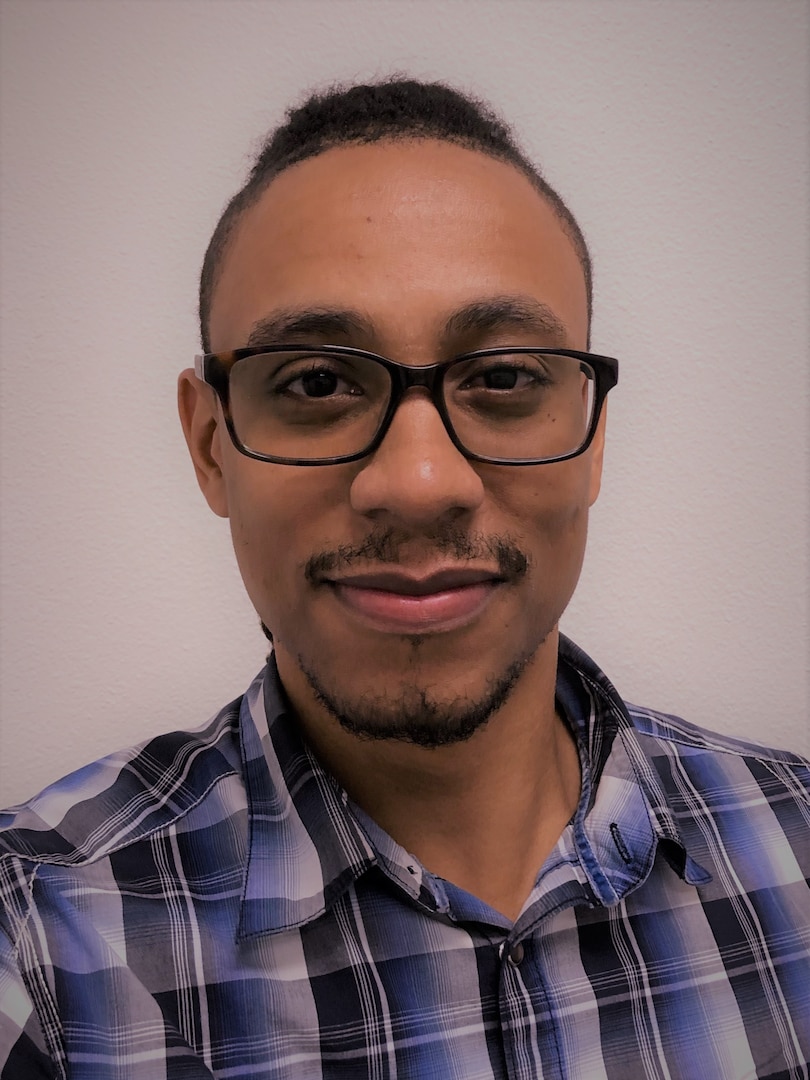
(677, 130)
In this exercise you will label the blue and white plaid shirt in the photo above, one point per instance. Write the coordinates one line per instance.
(212, 905)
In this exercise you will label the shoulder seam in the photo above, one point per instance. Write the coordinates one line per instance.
(655, 725)
(57, 1058)
(22, 921)
(105, 852)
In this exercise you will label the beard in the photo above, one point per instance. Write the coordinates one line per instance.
(414, 715)
(417, 711)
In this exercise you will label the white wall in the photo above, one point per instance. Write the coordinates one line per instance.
(678, 130)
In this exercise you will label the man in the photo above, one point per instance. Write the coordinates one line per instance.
(430, 840)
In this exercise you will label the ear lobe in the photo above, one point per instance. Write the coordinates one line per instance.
(202, 423)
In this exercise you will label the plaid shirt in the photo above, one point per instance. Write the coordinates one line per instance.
(213, 905)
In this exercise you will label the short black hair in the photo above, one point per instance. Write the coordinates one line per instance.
(396, 108)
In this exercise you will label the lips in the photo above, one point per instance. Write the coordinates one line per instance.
(394, 601)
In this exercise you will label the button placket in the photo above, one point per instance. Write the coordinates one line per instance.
(513, 953)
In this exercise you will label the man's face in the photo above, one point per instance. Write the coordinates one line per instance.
(413, 587)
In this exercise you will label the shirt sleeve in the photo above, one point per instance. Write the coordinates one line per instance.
(23, 1055)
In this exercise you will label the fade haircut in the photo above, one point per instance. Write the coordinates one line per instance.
(396, 109)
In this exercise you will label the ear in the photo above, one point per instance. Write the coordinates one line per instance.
(597, 456)
(203, 427)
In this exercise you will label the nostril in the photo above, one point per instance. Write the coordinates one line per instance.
(416, 475)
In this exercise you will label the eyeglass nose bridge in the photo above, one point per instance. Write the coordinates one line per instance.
(406, 377)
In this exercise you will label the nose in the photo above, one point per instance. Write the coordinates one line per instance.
(416, 476)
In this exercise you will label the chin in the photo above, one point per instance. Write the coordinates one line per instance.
(412, 711)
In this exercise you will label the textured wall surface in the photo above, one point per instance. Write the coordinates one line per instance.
(678, 131)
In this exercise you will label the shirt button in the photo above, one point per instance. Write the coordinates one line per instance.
(515, 956)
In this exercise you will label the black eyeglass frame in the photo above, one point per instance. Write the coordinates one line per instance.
(215, 369)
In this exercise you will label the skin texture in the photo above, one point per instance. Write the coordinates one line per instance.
(406, 235)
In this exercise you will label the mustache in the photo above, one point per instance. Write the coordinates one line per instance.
(387, 546)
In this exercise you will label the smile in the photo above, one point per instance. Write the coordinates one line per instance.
(400, 604)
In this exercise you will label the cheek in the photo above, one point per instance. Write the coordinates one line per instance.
(560, 534)
(263, 509)
(551, 504)
(551, 525)
(258, 552)
(279, 518)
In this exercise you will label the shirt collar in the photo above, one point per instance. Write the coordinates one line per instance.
(624, 818)
(307, 843)
(304, 846)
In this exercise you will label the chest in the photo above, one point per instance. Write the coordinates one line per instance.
(376, 989)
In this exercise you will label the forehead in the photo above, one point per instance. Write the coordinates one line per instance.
(405, 232)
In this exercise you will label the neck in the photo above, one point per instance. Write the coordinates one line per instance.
(483, 813)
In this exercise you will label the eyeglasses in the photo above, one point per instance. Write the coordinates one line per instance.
(325, 404)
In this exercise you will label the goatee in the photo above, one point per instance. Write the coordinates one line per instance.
(413, 715)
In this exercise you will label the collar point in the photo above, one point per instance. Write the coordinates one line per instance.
(687, 868)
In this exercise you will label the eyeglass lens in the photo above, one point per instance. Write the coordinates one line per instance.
(308, 405)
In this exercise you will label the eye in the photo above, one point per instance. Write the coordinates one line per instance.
(502, 378)
(320, 381)
(317, 383)
(520, 373)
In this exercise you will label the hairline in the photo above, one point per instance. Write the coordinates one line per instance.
(248, 195)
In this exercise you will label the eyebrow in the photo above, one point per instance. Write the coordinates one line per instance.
(498, 313)
(507, 313)
(289, 323)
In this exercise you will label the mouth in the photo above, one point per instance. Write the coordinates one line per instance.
(394, 601)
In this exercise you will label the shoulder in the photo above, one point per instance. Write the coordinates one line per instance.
(79, 861)
(729, 797)
(678, 755)
(669, 738)
(123, 798)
